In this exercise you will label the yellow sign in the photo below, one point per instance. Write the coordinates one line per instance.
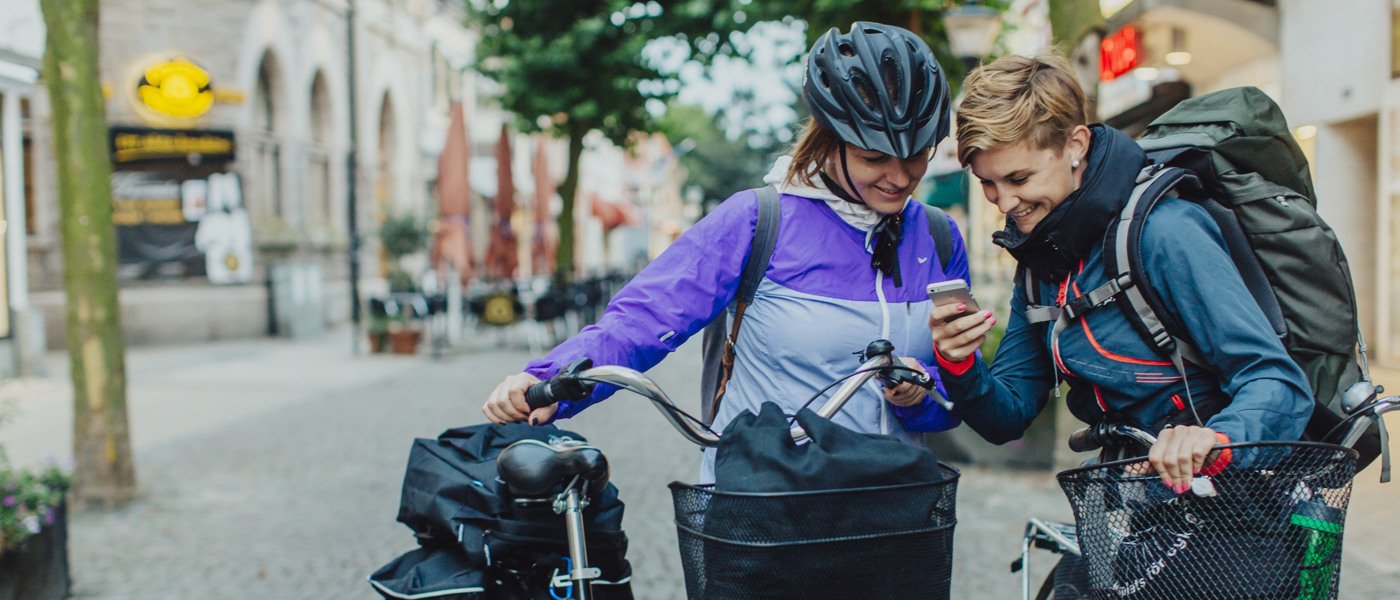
(135, 145)
(175, 88)
(500, 310)
(143, 212)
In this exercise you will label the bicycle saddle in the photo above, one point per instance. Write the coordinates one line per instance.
(535, 469)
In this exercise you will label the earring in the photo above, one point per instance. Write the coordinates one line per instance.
(1074, 164)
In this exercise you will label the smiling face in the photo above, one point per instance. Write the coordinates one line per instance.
(882, 181)
(1025, 182)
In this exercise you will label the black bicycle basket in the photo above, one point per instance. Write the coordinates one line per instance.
(890, 542)
(1272, 531)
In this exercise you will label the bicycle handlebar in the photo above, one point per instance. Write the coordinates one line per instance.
(576, 381)
(1097, 436)
(1374, 410)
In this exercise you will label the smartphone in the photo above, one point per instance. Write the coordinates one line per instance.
(953, 291)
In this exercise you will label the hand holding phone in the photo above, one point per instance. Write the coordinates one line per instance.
(953, 291)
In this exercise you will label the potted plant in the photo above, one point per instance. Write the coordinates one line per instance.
(33, 532)
(401, 236)
(378, 332)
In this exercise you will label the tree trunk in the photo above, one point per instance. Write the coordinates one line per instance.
(104, 473)
(564, 254)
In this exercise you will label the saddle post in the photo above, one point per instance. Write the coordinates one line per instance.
(570, 504)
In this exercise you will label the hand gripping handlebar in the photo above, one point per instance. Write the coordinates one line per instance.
(576, 382)
(1097, 436)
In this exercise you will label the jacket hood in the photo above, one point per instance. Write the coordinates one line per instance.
(856, 215)
(1071, 230)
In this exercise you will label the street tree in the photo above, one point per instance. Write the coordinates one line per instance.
(715, 162)
(923, 17)
(570, 68)
(104, 471)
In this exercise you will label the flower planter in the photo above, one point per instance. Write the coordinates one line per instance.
(378, 341)
(405, 341)
(38, 568)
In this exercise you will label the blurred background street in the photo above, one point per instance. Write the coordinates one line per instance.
(249, 249)
(272, 470)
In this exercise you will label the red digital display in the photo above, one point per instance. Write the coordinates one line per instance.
(1118, 53)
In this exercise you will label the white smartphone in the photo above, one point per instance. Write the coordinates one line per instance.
(953, 291)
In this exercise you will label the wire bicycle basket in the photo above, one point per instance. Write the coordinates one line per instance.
(879, 542)
(1273, 531)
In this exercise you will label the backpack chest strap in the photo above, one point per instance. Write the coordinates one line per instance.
(1097, 297)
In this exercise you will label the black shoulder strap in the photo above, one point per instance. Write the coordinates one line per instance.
(942, 233)
(765, 236)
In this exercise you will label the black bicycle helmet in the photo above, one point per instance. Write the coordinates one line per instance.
(879, 88)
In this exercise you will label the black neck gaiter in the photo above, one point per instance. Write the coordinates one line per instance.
(1066, 235)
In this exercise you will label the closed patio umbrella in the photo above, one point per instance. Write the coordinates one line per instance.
(452, 240)
(501, 258)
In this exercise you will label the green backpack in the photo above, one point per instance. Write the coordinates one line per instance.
(1232, 152)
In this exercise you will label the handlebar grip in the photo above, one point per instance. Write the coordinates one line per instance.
(1085, 440)
(540, 395)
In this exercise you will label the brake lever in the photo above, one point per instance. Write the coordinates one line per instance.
(893, 376)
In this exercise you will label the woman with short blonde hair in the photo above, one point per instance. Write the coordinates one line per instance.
(1022, 128)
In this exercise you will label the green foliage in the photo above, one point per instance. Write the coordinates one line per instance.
(924, 17)
(400, 281)
(403, 235)
(716, 163)
(29, 501)
(579, 64)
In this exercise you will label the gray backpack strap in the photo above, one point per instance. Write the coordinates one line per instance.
(942, 233)
(719, 339)
(1035, 311)
(765, 236)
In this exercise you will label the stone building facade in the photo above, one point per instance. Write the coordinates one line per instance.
(275, 80)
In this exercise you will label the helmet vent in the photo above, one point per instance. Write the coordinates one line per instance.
(890, 76)
(867, 93)
(846, 49)
(917, 87)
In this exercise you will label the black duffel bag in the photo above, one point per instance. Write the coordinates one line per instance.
(848, 515)
(455, 504)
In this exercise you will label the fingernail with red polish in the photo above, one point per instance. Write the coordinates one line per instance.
(962, 307)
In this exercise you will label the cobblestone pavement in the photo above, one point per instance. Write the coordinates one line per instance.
(296, 498)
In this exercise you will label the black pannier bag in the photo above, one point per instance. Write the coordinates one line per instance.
(470, 527)
(848, 515)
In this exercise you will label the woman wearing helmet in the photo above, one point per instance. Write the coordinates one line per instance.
(851, 251)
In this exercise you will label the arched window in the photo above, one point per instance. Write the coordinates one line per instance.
(265, 173)
(318, 152)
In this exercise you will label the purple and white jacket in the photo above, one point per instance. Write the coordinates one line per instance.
(820, 303)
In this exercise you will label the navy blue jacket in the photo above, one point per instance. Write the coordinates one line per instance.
(1112, 370)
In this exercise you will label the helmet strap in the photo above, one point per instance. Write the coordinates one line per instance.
(854, 196)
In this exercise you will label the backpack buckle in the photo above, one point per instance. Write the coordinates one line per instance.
(1098, 296)
(1149, 171)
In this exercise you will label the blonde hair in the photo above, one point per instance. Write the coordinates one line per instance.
(811, 150)
(1016, 99)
